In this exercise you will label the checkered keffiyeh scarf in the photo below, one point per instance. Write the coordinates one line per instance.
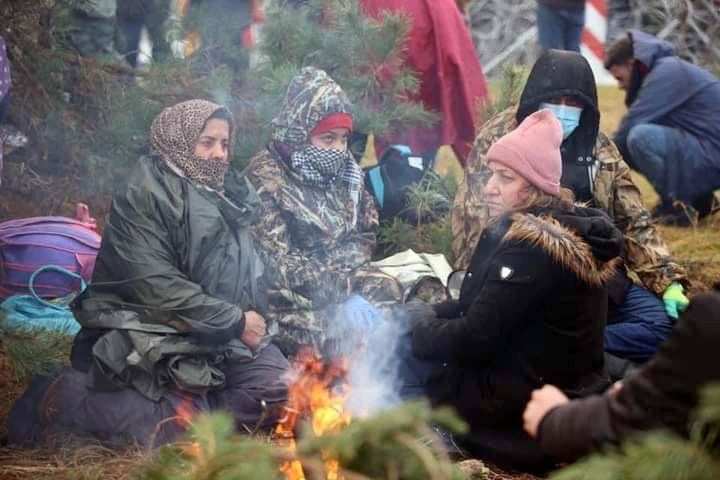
(320, 166)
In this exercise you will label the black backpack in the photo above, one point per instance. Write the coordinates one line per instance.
(388, 181)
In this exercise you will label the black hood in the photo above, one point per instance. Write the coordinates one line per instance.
(560, 73)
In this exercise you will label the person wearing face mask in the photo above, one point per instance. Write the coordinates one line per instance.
(318, 228)
(640, 315)
(532, 305)
(172, 316)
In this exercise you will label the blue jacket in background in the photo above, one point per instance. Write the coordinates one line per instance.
(676, 94)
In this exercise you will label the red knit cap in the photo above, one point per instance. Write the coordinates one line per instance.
(335, 120)
(533, 151)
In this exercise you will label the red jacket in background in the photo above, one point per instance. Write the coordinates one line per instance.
(440, 49)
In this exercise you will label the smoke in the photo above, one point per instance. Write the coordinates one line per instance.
(374, 343)
(373, 372)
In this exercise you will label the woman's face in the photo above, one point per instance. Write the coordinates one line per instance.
(214, 141)
(505, 189)
(333, 139)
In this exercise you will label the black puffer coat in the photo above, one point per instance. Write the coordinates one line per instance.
(531, 311)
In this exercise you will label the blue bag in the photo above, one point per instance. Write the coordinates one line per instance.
(30, 312)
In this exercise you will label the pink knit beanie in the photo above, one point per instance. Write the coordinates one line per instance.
(533, 151)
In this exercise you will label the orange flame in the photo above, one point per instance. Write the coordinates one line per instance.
(184, 415)
(318, 392)
(184, 412)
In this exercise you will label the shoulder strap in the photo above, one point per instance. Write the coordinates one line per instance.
(377, 184)
(53, 268)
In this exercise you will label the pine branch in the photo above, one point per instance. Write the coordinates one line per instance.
(655, 456)
(35, 351)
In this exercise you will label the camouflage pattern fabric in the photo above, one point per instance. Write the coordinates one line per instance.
(646, 254)
(316, 243)
(313, 260)
(311, 96)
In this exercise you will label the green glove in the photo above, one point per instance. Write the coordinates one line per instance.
(675, 300)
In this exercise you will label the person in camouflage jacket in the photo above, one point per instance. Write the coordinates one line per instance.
(318, 227)
(595, 171)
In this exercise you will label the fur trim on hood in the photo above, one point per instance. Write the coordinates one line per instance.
(565, 246)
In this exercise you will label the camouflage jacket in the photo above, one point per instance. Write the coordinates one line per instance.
(613, 191)
(305, 232)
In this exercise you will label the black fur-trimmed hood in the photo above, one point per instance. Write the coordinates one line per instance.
(581, 240)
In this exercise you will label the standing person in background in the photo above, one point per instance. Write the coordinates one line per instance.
(213, 32)
(92, 28)
(441, 51)
(671, 132)
(132, 16)
(560, 23)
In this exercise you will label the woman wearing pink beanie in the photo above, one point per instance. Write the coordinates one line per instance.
(532, 306)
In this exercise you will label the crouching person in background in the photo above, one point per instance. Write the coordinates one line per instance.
(532, 306)
(318, 228)
(171, 316)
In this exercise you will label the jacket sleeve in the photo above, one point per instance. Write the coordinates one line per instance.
(661, 394)
(468, 216)
(487, 326)
(646, 253)
(575, 429)
(143, 251)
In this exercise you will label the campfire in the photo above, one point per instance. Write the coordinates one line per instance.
(317, 394)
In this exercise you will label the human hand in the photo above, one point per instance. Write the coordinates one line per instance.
(541, 402)
(358, 315)
(675, 300)
(615, 388)
(255, 329)
(177, 47)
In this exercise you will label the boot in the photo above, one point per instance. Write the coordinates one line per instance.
(704, 204)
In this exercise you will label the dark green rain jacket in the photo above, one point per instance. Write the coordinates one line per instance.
(175, 271)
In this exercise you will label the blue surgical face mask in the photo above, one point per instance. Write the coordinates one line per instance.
(568, 116)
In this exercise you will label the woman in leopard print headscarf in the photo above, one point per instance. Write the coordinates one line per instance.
(178, 136)
(178, 283)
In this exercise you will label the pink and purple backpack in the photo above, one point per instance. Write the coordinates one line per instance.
(28, 244)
